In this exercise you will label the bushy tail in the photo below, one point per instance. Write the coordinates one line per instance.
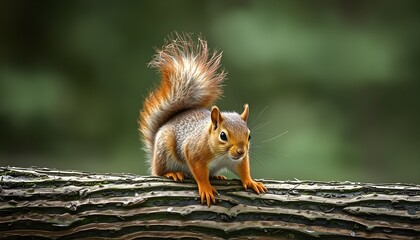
(190, 79)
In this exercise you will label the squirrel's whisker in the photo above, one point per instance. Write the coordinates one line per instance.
(281, 134)
(259, 114)
(259, 126)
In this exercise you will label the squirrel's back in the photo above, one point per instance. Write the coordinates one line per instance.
(190, 79)
(189, 124)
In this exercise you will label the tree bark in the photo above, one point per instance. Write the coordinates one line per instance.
(51, 204)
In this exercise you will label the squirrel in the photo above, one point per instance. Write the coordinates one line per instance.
(183, 138)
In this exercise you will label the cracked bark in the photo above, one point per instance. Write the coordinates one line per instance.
(51, 204)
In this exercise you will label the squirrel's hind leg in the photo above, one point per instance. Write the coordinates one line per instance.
(165, 161)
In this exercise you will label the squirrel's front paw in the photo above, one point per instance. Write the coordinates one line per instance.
(257, 186)
(207, 194)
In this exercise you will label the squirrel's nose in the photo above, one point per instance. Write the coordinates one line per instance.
(240, 151)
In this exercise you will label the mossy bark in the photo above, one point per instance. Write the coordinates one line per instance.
(50, 204)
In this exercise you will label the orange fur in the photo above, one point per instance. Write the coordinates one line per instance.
(200, 172)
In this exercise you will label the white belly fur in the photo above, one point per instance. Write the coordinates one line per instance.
(219, 164)
(215, 166)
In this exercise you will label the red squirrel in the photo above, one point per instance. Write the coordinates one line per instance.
(183, 138)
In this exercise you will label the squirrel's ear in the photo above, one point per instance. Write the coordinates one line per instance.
(216, 117)
(245, 114)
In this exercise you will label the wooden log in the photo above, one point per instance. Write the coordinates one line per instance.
(43, 203)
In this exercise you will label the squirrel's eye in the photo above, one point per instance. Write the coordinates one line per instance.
(223, 136)
(249, 137)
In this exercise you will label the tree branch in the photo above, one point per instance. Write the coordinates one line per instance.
(50, 204)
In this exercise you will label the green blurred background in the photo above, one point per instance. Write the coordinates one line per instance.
(340, 77)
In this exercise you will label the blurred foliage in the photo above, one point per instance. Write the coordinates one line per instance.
(332, 85)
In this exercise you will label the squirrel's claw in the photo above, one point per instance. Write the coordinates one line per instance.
(220, 177)
(207, 194)
(258, 187)
(176, 176)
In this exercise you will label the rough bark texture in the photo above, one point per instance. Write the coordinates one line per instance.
(44, 204)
